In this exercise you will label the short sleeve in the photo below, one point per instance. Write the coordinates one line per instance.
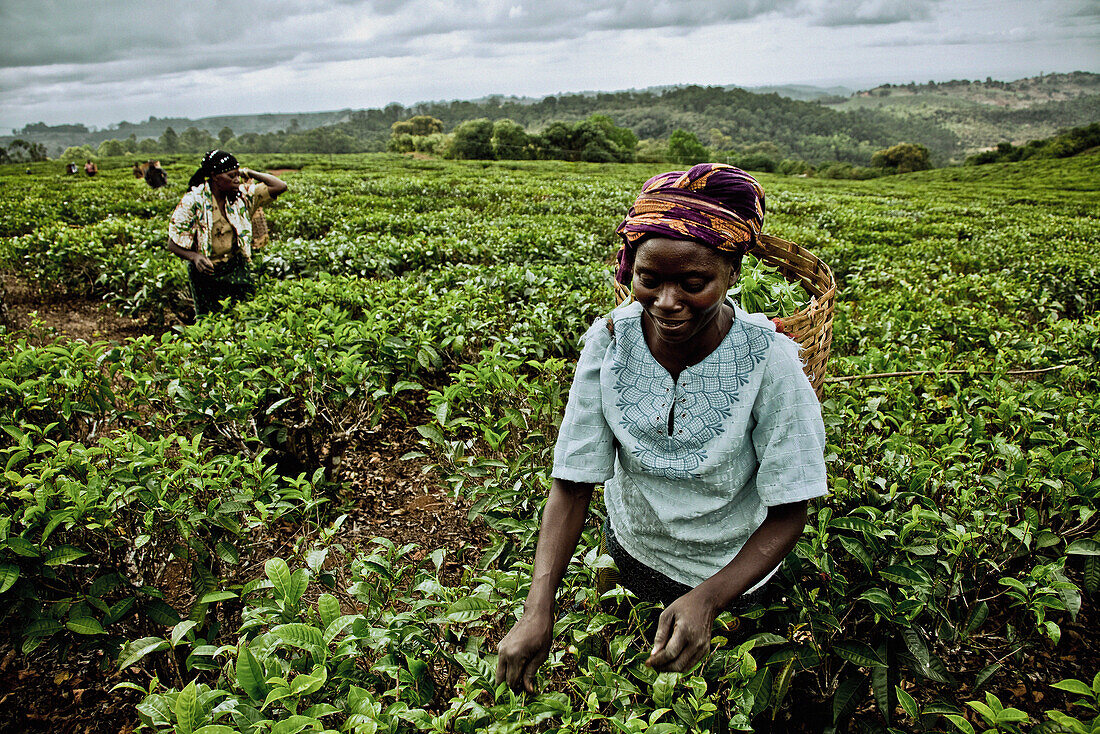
(256, 195)
(585, 451)
(184, 221)
(789, 436)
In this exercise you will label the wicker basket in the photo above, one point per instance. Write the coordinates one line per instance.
(259, 229)
(812, 327)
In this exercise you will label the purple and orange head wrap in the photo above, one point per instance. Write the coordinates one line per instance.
(714, 204)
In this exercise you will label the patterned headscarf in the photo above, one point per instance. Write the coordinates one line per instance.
(714, 204)
(213, 163)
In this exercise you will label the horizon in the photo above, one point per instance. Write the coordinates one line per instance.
(853, 88)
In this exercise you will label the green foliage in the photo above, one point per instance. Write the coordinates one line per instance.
(418, 125)
(1089, 701)
(510, 141)
(1065, 144)
(169, 141)
(89, 527)
(421, 134)
(413, 656)
(952, 119)
(762, 289)
(960, 536)
(902, 158)
(684, 148)
(77, 153)
(22, 151)
(110, 148)
(473, 139)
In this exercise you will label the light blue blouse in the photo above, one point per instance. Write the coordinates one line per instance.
(747, 434)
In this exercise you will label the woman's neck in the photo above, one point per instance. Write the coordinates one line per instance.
(676, 358)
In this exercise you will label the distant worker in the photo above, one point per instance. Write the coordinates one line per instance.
(90, 168)
(154, 175)
(211, 228)
(71, 168)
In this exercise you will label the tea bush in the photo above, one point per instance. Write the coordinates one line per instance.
(87, 532)
(961, 536)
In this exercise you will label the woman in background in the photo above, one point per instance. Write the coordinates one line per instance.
(211, 228)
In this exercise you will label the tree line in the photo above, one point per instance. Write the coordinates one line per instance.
(1065, 144)
(760, 132)
(728, 121)
(22, 151)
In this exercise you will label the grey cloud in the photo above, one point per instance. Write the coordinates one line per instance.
(135, 49)
(171, 64)
(1015, 36)
(1089, 9)
(524, 21)
(869, 12)
(52, 32)
(71, 31)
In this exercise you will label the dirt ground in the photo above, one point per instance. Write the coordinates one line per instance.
(383, 496)
(75, 318)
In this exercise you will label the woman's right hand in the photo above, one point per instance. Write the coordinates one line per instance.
(203, 264)
(523, 650)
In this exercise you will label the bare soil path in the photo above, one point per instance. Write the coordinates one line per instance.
(76, 318)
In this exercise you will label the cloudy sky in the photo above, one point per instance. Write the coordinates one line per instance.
(102, 61)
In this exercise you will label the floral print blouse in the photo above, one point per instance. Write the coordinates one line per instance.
(193, 219)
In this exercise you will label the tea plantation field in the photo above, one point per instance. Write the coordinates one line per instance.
(179, 507)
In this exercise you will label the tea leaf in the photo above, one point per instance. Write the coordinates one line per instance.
(138, 649)
(250, 675)
(9, 573)
(85, 626)
(188, 711)
(858, 653)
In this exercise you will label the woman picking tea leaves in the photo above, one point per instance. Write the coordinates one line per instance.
(695, 416)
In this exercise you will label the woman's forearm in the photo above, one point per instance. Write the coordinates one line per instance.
(275, 185)
(183, 252)
(562, 521)
(765, 549)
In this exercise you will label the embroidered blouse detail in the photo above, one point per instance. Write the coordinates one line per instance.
(703, 399)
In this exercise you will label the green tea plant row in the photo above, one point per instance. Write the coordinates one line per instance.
(120, 256)
(961, 535)
(300, 387)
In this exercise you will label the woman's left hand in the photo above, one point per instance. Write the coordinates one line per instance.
(683, 634)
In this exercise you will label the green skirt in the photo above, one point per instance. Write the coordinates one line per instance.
(231, 280)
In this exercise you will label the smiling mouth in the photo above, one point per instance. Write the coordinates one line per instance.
(668, 324)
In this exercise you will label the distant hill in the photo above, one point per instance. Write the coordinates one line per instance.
(953, 119)
(58, 137)
(984, 113)
(1020, 94)
(804, 92)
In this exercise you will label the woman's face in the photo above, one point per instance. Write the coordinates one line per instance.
(225, 182)
(681, 285)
